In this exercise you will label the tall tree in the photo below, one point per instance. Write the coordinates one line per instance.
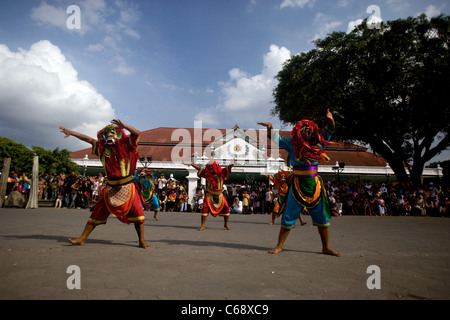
(388, 88)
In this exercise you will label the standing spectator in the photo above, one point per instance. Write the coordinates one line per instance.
(183, 200)
(245, 202)
(433, 190)
(54, 187)
(61, 178)
(162, 183)
(69, 181)
(256, 201)
(367, 206)
(41, 187)
(269, 200)
(349, 206)
(74, 189)
(95, 186)
(86, 192)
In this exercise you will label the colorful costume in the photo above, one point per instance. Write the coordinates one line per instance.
(120, 197)
(306, 148)
(214, 202)
(147, 184)
(281, 183)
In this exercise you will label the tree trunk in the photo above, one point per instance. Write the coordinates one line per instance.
(395, 162)
(416, 173)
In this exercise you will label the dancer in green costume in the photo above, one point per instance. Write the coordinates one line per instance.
(306, 149)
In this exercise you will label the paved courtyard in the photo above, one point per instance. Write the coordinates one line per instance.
(412, 254)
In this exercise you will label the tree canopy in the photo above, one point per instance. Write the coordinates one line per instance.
(387, 87)
(50, 161)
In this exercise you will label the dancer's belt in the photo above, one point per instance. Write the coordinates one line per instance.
(119, 181)
(311, 171)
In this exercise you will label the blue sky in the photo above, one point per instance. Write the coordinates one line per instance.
(158, 63)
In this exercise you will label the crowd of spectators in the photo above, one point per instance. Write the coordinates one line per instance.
(352, 198)
(77, 191)
(346, 198)
(388, 199)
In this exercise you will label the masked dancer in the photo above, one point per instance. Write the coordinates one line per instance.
(118, 154)
(306, 149)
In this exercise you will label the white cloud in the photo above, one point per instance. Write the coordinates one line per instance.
(95, 48)
(209, 117)
(50, 15)
(122, 66)
(353, 24)
(432, 11)
(114, 19)
(246, 96)
(39, 91)
(324, 24)
(344, 3)
(297, 3)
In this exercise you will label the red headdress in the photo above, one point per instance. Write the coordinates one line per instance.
(282, 175)
(308, 142)
(211, 168)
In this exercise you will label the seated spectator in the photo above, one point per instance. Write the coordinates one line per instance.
(236, 207)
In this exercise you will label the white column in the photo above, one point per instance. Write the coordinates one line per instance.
(192, 183)
(33, 197)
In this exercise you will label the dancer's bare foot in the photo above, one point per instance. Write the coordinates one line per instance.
(227, 227)
(201, 229)
(275, 250)
(144, 245)
(331, 252)
(77, 241)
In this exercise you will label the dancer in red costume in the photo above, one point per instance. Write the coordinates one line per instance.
(215, 202)
(118, 153)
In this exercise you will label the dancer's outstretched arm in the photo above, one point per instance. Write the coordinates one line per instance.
(330, 119)
(269, 127)
(194, 166)
(78, 135)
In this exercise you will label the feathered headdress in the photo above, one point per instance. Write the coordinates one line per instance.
(211, 168)
(308, 142)
(282, 175)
